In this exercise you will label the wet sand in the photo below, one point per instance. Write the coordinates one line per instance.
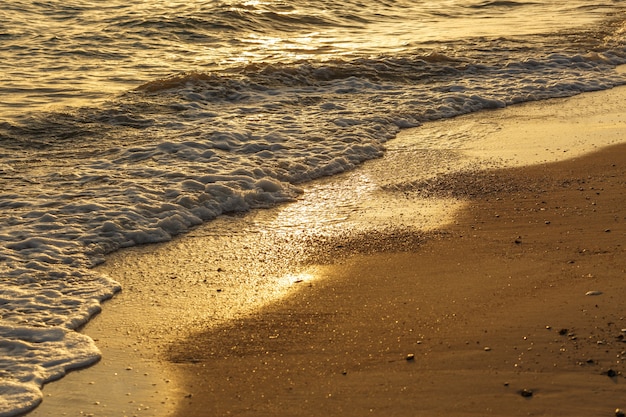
(385, 309)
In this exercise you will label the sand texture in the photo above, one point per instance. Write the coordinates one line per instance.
(465, 277)
(461, 326)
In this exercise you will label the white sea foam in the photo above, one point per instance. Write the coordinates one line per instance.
(30, 356)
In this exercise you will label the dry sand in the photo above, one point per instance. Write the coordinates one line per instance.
(379, 307)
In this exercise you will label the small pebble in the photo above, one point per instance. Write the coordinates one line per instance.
(611, 373)
(487, 348)
(619, 412)
(589, 293)
(410, 357)
(526, 393)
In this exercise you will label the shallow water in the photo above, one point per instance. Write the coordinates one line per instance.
(128, 124)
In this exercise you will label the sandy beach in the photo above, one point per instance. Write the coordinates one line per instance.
(460, 327)
(481, 273)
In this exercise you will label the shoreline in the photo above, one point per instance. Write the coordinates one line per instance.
(139, 326)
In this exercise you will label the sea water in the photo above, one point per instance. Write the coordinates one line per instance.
(124, 123)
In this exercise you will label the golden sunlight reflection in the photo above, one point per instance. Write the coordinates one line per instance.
(325, 205)
(290, 279)
(357, 201)
(295, 48)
